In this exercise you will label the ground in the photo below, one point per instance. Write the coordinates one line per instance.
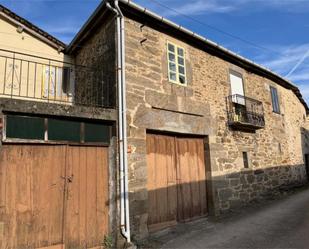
(276, 223)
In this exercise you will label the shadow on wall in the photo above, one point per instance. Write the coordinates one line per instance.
(186, 201)
(305, 147)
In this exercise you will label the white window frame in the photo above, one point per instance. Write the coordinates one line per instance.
(177, 64)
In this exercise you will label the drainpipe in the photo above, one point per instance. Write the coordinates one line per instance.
(122, 123)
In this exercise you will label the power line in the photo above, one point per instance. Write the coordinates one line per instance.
(215, 28)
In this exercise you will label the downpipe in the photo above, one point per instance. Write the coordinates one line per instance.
(122, 123)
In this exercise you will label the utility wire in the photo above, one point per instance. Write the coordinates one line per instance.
(215, 29)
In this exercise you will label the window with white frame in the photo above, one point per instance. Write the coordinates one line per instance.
(176, 64)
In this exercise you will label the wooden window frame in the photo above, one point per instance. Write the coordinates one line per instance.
(177, 64)
(276, 108)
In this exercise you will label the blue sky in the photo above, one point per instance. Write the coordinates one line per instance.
(279, 28)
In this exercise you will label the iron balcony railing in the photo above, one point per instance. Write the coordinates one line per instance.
(29, 77)
(245, 112)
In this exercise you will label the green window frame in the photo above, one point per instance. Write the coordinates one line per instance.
(176, 64)
(275, 99)
(23, 128)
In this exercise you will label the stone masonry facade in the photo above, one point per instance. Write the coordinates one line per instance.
(275, 152)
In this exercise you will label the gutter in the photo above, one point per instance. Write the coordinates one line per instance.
(122, 123)
(196, 36)
(242, 60)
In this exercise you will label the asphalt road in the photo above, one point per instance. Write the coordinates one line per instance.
(281, 223)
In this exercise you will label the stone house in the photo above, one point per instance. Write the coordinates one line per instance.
(205, 130)
(208, 130)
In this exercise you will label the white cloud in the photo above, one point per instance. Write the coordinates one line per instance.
(197, 7)
(285, 60)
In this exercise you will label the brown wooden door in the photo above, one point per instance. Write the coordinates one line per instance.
(86, 219)
(176, 179)
(162, 194)
(51, 196)
(191, 176)
(31, 195)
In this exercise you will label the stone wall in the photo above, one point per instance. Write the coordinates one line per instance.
(275, 152)
(96, 64)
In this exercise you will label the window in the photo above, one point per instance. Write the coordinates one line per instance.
(275, 99)
(30, 128)
(21, 127)
(245, 159)
(56, 82)
(176, 64)
(237, 88)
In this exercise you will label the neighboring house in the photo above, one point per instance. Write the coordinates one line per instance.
(57, 143)
(207, 131)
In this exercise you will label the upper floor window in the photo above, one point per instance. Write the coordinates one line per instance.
(237, 88)
(275, 99)
(176, 64)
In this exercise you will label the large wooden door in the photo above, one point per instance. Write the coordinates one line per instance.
(176, 179)
(53, 196)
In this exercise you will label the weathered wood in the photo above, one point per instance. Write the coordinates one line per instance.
(87, 201)
(191, 178)
(161, 180)
(33, 189)
(53, 195)
(176, 179)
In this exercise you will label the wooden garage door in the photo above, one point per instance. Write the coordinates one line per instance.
(176, 179)
(52, 195)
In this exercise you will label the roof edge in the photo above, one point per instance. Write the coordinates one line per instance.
(286, 83)
(33, 29)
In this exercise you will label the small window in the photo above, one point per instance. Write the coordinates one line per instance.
(21, 127)
(245, 159)
(176, 64)
(63, 130)
(275, 99)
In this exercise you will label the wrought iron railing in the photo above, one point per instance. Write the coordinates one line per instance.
(29, 77)
(244, 111)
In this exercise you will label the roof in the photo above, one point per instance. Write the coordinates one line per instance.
(132, 9)
(41, 34)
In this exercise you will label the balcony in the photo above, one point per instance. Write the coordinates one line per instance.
(245, 113)
(29, 77)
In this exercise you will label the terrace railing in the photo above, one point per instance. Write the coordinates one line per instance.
(244, 112)
(30, 77)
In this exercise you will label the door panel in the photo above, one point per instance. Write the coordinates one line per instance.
(32, 188)
(53, 196)
(87, 197)
(191, 178)
(161, 181)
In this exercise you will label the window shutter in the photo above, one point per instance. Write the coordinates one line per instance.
(237, 88)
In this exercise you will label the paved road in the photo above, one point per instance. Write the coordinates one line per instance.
(282, 223)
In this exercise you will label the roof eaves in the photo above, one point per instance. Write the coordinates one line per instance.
(291, 85)
(26, 24)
